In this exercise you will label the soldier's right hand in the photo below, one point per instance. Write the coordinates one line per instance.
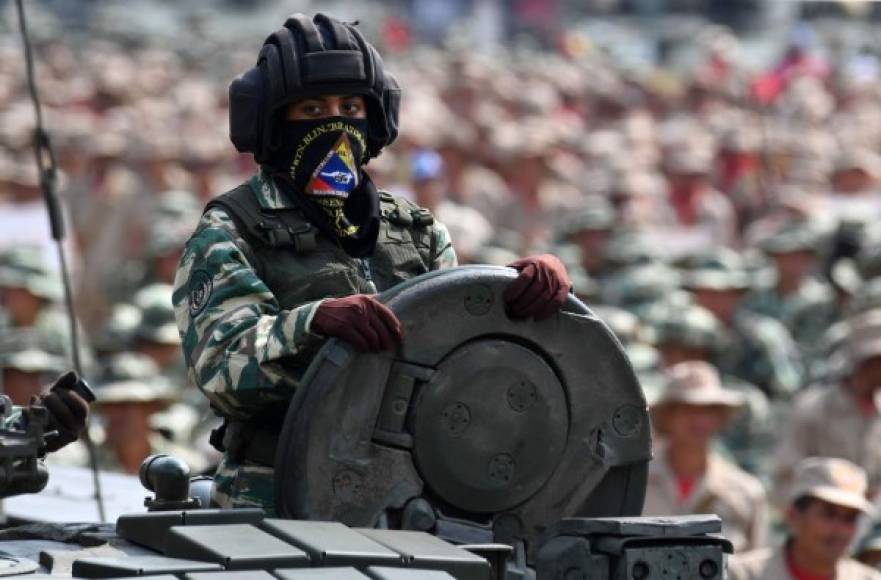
(361, 320)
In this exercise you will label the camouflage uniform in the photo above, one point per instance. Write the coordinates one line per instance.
(759, 350)
(247, 343)
(807, 311)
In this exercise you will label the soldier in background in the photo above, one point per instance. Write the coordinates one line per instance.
(467, 226)
(589, 231)
(27, 362)
(822, 514)
(798, 298)
(686, 476)
(694, 334)
(841, 420)
(28, 289)
(156, 334)
(760, 350)
(130, 395)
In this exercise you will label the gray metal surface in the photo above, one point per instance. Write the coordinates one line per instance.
(243, 575)
(332, 543)
(421, 550)
(151, 529)
(320, 573)
(378, 573)
(508, 424)
(13, 566)
(656, 527)
(235, 546)
(137, 566)
(490, 426)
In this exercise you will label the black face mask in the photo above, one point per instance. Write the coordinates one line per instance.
(320, 162)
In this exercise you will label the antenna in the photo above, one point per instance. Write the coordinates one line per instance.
(48, 182)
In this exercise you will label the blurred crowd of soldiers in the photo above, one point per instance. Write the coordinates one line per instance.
(722, 222)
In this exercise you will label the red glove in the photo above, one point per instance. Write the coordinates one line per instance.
(541, 288)
(68, 412)
(361, 320)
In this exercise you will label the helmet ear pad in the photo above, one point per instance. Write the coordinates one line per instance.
(247, 99)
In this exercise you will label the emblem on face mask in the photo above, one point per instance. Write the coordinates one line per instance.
(337, 174)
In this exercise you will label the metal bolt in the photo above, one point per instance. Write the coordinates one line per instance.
(708, 569)
(640, 571)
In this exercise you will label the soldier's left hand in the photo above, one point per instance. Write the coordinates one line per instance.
(68, 411)
(541, 288)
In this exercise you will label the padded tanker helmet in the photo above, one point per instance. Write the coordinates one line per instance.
(322, 56)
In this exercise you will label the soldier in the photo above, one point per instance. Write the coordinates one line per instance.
(841, 420)
(590, 231)
(684, 334)
(156, 334)
(798, 298)
(27, 286)
(29, 294)
(686, 476)
(760, 351)
(293, 255)
(823, 509)
(130, 394)
(468, 226)
(693, 333)
(27, 359)
(700, 215)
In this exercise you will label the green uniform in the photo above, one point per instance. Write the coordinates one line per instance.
(244, 309)
(806, 313)
(762, 352)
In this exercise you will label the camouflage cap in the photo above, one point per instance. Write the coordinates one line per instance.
(118, 330)
(640, 284)
(32, 351)
(792, 237)
(133, 377)
(693, 326)
(833, 480)
(629, 249)
(719, 269)
(25, 267)
(597, 214)
(157, 315)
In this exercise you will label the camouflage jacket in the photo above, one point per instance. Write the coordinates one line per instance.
(239, 343)
(762, 352)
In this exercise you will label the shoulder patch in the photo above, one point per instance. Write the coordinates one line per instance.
(200, 287)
